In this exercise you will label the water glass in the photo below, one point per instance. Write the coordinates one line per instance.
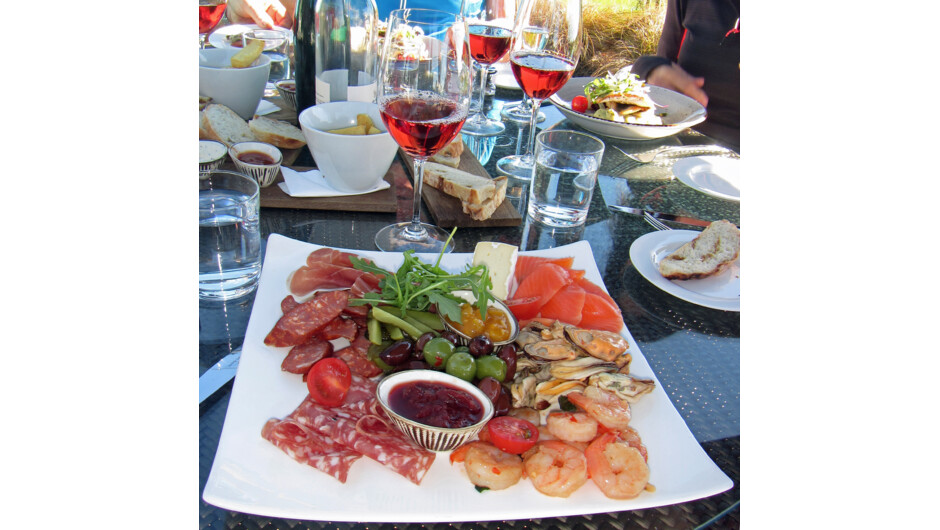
(277, 43)
(563, 179)
(229, 235)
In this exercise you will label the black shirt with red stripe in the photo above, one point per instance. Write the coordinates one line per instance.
(703, 37)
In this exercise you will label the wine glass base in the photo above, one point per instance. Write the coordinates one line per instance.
(484, 127)
(516, 166)
(518, 113)
(400, 237)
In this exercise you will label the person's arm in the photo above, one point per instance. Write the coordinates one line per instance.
(265, 13)
(661, 69)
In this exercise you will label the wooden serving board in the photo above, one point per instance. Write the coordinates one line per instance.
(379, 201)
(448, 212)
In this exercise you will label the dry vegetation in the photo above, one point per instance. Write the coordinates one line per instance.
(616, 32)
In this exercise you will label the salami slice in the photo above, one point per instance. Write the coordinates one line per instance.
(363, 427)
(360, 389)
(301, 357)
(288, 303)
(356, 356)
(298, 325)
(338, 328)
(310, 448)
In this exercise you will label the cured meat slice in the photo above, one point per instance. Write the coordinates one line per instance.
(310, 448)
(303, 321)
(356, 356)
(364, 428)
(360, 389)
(331, 255)
(301, 357)
(288, 303)
(339, 327)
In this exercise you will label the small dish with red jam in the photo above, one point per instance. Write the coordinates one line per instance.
(436, 410)
(258, 160)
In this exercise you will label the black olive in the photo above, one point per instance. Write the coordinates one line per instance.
(508, 354)
(450, 336)
(491, 387)
(418, 352)
(397, 353)
(480, 346)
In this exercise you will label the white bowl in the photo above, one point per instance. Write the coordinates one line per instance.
(349, 163)
(429, 437)
(211, 155)
(264, 174)
(239, 89)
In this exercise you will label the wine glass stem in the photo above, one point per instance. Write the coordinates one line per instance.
(533, 120)
(484, 72)
(416, 227)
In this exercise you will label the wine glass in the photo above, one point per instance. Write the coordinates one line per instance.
(490, 34)
(210, 13)
(541, 68)
(424, 98)
(521, 111)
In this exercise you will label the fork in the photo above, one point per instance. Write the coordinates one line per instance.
(686, 150)
(654, 222)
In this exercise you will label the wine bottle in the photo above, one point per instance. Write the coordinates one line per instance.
(346, 35)
(305, 53)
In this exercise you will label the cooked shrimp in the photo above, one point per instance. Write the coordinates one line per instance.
(487, 466)
(555, 468)
(572, 426)
(526, 413)
(618, 469)
(604, 406)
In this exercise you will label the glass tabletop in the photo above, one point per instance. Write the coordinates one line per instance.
(693, 350)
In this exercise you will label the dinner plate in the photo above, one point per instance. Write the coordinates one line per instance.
(503, 77)
(249, 474)
(717, 176)
(679, 113)
(218, 38)
(722, 291)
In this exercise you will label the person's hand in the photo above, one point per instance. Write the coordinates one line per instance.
(675, 78)
(265, 13)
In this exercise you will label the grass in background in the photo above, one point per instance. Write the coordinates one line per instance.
(616, 32)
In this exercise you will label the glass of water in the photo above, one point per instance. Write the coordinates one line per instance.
(566, 165)
(229, 235)
(277, 43)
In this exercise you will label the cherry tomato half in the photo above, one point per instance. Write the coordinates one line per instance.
(513, 435)
(328, 381)
(579, 104)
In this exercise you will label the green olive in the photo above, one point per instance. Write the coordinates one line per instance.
(437, 351)
(461, 364)
(491, 366)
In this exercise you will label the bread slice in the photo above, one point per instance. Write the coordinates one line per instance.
(485, 210)
(450, 154)
(711, 252)
(277, 133)
(221, 123)
(467, 187)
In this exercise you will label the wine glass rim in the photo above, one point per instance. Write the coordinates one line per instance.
(597, 145)
(402, 14)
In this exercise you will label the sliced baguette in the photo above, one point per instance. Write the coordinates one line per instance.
(450, 154)
(277, 133)
(221, 123)
(485, 210)
(467, 187)
(711, 252)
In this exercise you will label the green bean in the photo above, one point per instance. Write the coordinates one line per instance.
(417, 324)
(429, 319)
(387, 318)
(393, 332)
(374, 329)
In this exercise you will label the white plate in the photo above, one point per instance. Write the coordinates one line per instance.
(503, 77)
(722, 291)
(218, 37)
(717, 176)
(681, 111)
(251, 475)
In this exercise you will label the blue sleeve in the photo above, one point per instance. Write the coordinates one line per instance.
(387, 6)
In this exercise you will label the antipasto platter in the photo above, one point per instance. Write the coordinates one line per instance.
(251, 475)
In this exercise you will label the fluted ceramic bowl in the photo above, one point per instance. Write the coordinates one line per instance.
(427, 436)
(263, 173)
(464, 340)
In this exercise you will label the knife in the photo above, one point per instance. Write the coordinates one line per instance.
(218, 375)
(662, 216)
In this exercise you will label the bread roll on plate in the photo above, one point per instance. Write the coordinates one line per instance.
(711, 252)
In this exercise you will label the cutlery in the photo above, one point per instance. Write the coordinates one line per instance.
(683, 150)
(218, 375)
(654, 222)
(657, 215)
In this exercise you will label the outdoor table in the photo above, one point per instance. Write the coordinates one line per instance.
(693, 350)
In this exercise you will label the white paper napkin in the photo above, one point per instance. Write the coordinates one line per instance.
(313, 184)
(266, 107)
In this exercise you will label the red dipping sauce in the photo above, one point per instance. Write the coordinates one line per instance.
(435, 404)
(256, 157)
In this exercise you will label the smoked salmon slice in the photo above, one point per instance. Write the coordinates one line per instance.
(536, 288)
(526, 264)
(566, 305)
(600, 312)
